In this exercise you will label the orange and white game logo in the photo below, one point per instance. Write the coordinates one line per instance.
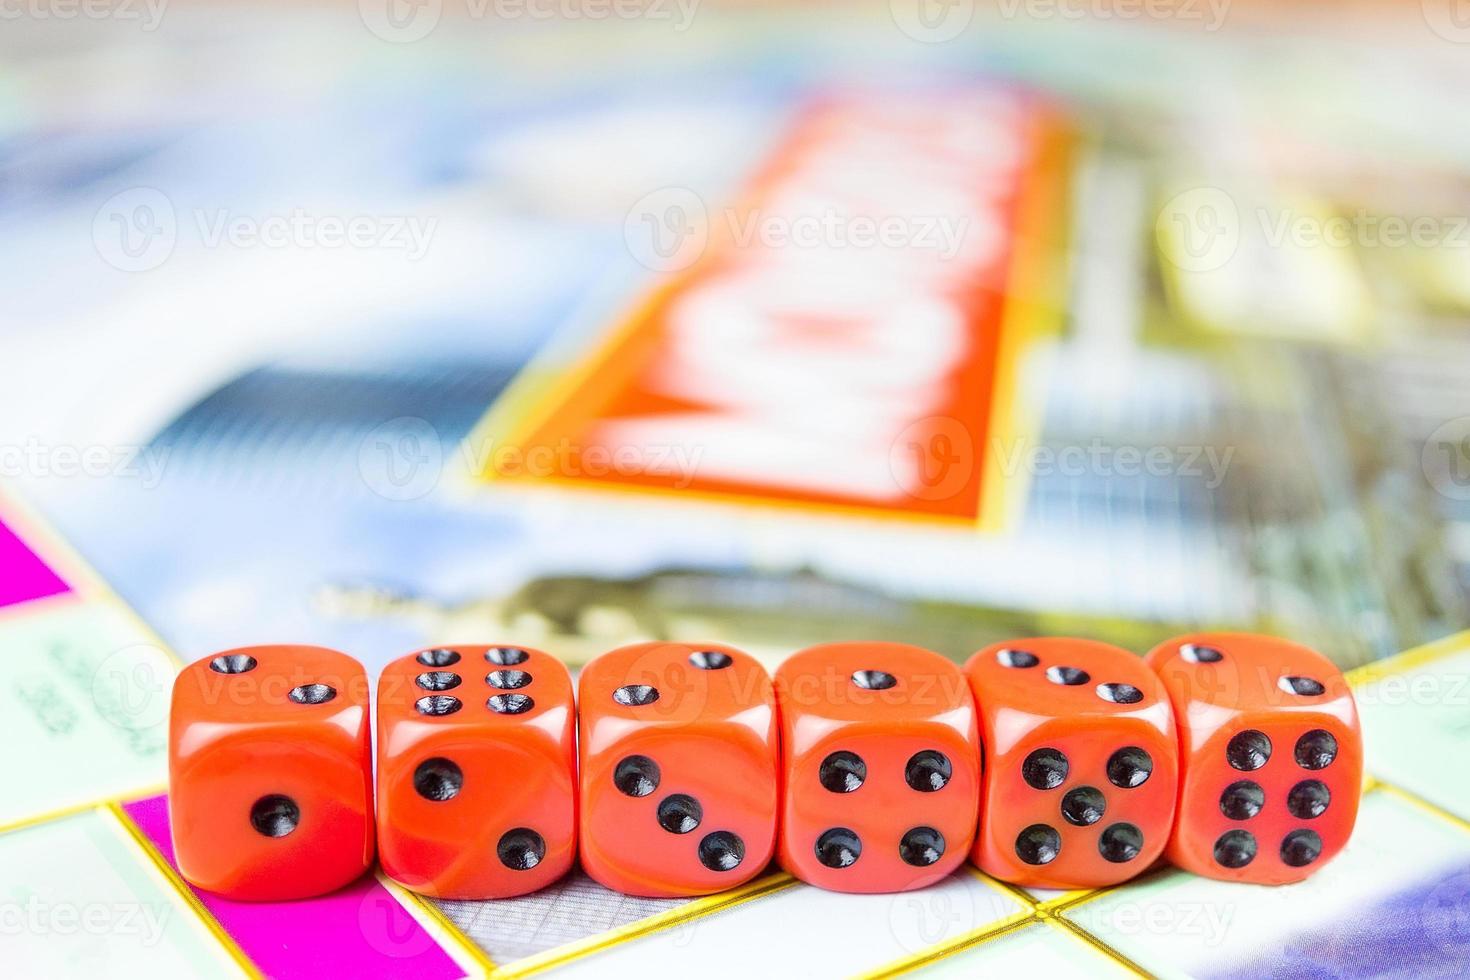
(846, 335)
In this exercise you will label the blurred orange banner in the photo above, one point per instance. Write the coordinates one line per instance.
(846, 336)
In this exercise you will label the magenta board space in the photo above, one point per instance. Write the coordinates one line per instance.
(359, 931)
(24, 576)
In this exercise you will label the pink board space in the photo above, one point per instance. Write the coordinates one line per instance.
(24, 576)
(360, 931)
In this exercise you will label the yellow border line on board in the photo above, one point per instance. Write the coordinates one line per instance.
(435, 923)
(1097, 944)
(187, 894)
(1092, 942)
(1400, 663)
(72, 810)
(696, 909)
(1067, 899)
(1026, 915)
(969, 940)
(1414, 799)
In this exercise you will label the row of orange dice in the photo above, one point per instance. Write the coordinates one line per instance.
(683, 770)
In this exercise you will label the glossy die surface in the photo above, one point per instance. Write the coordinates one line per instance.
(476, 771)
(1272, 756)
(881, 766)
(270, 772)
(679, 758)
(1081, 763)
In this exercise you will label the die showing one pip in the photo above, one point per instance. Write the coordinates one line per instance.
(477, 783)
(881, 766)
(679, 758)
(270, 772)
(1272, 756)
(1081, 763)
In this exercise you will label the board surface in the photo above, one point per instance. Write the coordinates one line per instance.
(615, 362)
(97, 851)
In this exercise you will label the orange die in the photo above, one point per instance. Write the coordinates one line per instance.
(1081, 763)
(270, 772)
(1272, 756)
(477, 786)
(679, 769)
(881, 763)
